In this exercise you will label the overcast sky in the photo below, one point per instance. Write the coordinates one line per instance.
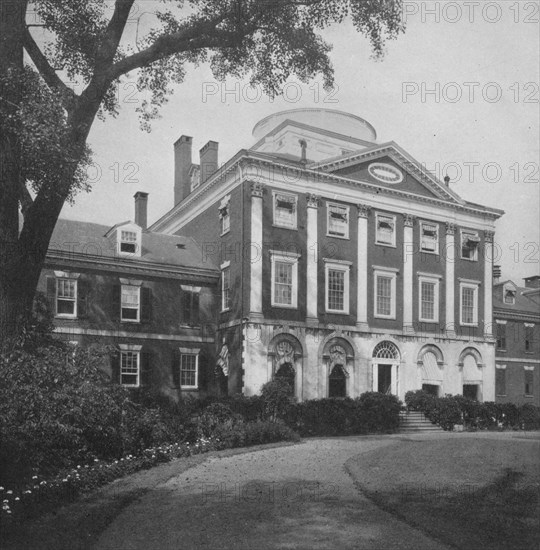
(480, 124)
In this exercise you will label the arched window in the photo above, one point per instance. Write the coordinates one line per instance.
(386, 350)
(386, 359)
(337, 382)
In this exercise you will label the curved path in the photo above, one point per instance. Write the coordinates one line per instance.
(293, 497)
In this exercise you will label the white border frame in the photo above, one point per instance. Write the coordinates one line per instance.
(383, 215)
(437, 245)
(345, 268)
(75, 313)
(348, 211)
(475, 287)
(284, 257)
(138, 320)
(436, 297)
(189, 351)
(293, 195)
(391, 274)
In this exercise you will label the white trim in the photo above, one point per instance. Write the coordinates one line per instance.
(529, 325)
(137, 353)
(388, 273)
(75, 299)
(499, 366)
(473, 234)
(475, 287)
(293, 225)
(66, 275)
(344, 268)
(290, 258)
(225, 264)
(130, 347)
(383, 268)
(125, 334)
(189, 288)
(436, 240)
(138, 309)
(469, 281)
(225, 267)
(527, 367)
(429, 275)
(436, 293)
(334, 261)
(388, 216)
(347, 209)
(285, 254)
(189, 352)
(500, 322)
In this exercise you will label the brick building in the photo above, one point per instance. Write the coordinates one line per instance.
(516, 310)
(147, 295)
(344, 265)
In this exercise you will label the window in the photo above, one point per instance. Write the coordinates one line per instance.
(509, 296)
(284, 279)
(224, 214)
(190, 304)
(469, 245)
(66, 297)
(529, 337)
(226, 286)
(385, 295)
(428, 306)
(500, 380)
(337, 287)
(385, 230)
(285, 210)
(129, 368)
(337, 220)
(501, 335)
(189, 369)
(130, 303)
(429, 237)
(529, 381)
(128, 242)
(469, 304)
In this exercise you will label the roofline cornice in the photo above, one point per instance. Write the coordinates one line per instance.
(515, 315)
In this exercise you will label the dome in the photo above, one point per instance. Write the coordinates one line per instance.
(327, 119)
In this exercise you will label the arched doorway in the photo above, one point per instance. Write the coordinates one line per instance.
(337, 382)
(338, 360)
(386, 358)
(285, 361)
(470, 363)
(431, 364)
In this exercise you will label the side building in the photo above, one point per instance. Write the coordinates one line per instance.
(344, 265)
(516, 310)
(147, 295)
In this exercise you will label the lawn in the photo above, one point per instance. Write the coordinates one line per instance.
(470, 493)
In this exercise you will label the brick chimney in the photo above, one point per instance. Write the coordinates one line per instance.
(182, 166)
(141, 209)
(209, 160)
(496, 273)
(532, 282)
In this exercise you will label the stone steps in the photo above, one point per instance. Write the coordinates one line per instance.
(415, 421)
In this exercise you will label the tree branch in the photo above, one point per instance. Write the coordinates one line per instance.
(47, 71)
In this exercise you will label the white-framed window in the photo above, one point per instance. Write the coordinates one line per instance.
(429, 237)
(189, 368)
(500, 380)
(469, 245)
(130, 368)
(130, 307)
(337, 286)
(128, 242)
(428, 299)
(468, 304)
(284, 279)
(225, 286)
(529, 381)
(384, 294)
(66, 297)
(385, 229)
(509, 296)
(337, 220)
(285, 210)
(225, 215)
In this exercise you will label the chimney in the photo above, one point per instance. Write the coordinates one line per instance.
(532, 282)
(182, 165)
(447, 180)
(496, 273)
(141, 209)
(209, 160)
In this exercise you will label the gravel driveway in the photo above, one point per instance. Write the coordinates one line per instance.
(294, 497)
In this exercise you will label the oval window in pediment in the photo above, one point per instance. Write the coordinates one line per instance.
(385, 172)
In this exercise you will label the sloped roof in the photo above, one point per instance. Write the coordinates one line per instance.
(522, 303)
(86, 238)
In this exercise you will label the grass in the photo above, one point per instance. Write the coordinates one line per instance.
(468, 493)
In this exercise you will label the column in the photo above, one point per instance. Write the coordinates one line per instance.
(488, 283)
(394, 380)
(255, 293)
(362, 268)
(312, 259)
(450, 259)
(408, 263)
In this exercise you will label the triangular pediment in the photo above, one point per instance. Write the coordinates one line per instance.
(388, 166)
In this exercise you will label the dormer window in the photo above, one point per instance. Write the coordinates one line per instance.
(509, 296)
(128, 242)
(469, 245)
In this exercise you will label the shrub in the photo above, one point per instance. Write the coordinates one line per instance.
(530, 417)
(239, 434)
(277, 399)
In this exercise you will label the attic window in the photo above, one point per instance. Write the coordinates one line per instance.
(128, 242)
(469, 245)
(509, 296)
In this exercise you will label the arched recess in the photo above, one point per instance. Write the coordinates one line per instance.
(338, 356)
(470, 364)
(430, 362)
(385, 361)
(221, 371)
(285, 357)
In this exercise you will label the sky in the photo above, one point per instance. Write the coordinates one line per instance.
(458, 91)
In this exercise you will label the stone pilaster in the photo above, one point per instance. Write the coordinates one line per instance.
(408, 263)
(450, 262)
(312, 259)
(255, 294)
(362, 268)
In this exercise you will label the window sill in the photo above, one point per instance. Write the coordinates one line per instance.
(434, 252)
(65, 316)
(131, 321)
(342, 237)
(226, 310)
(430, 321)
(388, 245)
(225, 233)
(294, 228)
(474, 325)
(387, 317)
(469, 259)
(284, 306)
(188, 388)
(336, 312)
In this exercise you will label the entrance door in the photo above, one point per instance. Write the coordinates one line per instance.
(470, 391)
(337, 383)
(384, 380)
(432, 389)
